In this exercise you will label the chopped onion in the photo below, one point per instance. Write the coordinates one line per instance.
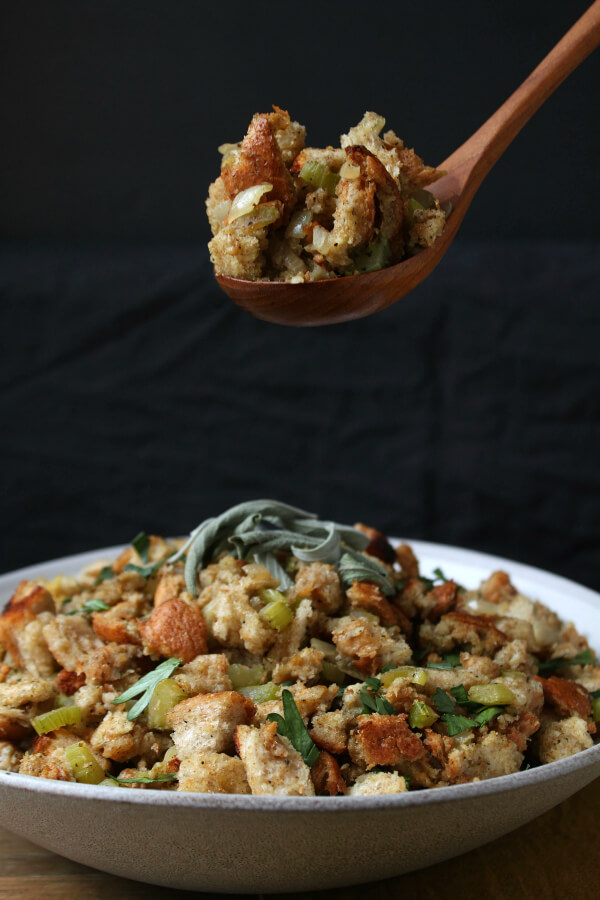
(245, 201)
(220, 210)
(321, 239)
(227, 148)
(349, 172)
(482, 607)
(298, 223)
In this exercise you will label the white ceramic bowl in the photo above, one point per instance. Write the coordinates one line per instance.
(212, 842)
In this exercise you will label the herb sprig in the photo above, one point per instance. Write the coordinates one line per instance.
(145, 687)
(291, 726)
(585, 658)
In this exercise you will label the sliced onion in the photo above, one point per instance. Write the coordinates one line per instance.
(220, 210)
(245, 201)
(263, 215)
(349, 172)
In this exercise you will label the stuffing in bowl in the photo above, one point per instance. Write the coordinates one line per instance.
(273, 653)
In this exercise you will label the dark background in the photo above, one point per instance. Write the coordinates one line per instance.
(134, 395)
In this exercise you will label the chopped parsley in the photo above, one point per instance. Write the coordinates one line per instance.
(585, 658)
(373, 683)
(373, 703)
(146, 685)
(451, 661)
(291, 726)
(457, 723)
(141, 545)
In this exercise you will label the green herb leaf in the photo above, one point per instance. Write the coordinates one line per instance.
(146, 685)
(66, 600)
(144, 571)
(442, 702)
(141, 545)
(144, 779)
(442, 665)
(440, 575)
(373, 683)
(291, 726)
(585, 658)
(452, 658)
(487, 713)
(388, 668)
(105, 573)
(94, 605)
(594, 694)
(458, 724)
(460, 694)
(373, 703)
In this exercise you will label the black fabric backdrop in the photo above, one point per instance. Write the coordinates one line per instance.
(136, 396)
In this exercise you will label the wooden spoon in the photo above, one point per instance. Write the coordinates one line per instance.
(352, 297)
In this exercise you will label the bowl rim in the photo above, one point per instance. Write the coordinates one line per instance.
(585, 759)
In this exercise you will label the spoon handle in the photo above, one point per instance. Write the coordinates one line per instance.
(471, 162)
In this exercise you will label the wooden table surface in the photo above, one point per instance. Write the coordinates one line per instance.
(555, 857)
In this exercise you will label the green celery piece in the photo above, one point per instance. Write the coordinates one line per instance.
(318, 175)
(375, 256)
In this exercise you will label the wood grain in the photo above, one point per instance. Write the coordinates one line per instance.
(553, 858)
(343, 299)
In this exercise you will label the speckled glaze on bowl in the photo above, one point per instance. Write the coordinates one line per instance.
(225, 843)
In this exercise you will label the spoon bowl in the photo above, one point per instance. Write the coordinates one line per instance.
(342, 299)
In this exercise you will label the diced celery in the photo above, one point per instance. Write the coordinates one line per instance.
(318, 175)
(83, 764)
(327, 649)
(515, 673)
(242, 676)
(374, 257)
(331, 672)
(277, 614)
(57, 718)
(492, 694)
(261, 693)
(268, 595)
(165, 696)
(421, 715)
(424, 198)
(596, 708)
(416, 675)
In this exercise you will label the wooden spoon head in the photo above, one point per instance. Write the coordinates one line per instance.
(342, 299)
